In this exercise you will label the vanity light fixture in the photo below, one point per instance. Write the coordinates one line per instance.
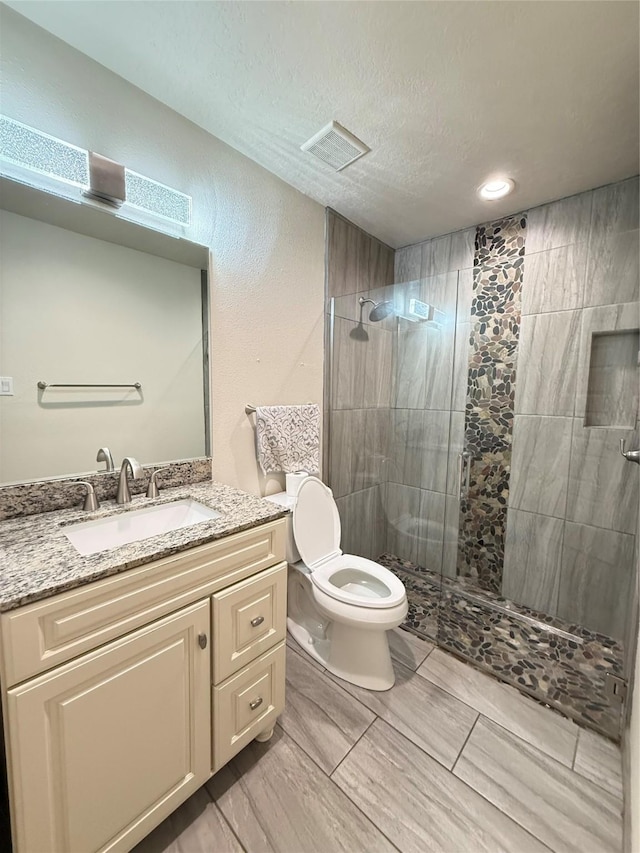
(497, 188)
(39, 160)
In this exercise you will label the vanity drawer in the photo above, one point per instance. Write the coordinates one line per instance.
(249, 618)
(49, 632)
(247, 704)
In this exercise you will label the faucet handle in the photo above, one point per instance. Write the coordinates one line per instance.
(152, 489)
(90, 501)
(629, 455)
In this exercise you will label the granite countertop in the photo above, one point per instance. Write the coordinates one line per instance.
(37, 560)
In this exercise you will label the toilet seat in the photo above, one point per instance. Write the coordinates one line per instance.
(343, 577)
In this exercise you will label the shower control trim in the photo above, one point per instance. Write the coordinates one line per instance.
(629, 455)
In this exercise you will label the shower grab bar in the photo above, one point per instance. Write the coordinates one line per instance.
(44, 385)
(464, 459)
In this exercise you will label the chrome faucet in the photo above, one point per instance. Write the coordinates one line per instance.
(131, 464)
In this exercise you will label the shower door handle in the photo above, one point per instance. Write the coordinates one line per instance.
(464, 473)
(629, 455)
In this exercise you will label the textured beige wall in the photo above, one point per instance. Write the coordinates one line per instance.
(266, 239)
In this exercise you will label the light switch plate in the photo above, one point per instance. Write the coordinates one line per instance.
(6, 386)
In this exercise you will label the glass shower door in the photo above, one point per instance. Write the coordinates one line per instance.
(390, 462)
(421, 481)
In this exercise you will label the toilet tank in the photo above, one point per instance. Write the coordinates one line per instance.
(287, 501)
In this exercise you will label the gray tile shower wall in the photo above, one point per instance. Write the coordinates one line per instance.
(363, 520)
(540, 464)
(533, 558)
(359, 383)
(355, 261)
(548, 363)
(359, 457)
(574, 401)
(431, 366)
(596, 578)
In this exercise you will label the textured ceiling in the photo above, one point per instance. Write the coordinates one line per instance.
(446, 94)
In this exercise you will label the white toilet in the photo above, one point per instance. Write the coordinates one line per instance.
(339, 606)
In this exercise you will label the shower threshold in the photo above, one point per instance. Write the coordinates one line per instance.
(522, 617)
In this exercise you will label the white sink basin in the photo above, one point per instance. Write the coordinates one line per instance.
(90, 537)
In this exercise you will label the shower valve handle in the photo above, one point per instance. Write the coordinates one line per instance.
(629, 455)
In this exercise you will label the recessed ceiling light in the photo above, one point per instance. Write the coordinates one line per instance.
(496, 188)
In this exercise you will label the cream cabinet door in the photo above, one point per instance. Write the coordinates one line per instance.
(105, 747)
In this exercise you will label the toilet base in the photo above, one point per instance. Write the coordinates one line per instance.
(359, 657)
(348, 641)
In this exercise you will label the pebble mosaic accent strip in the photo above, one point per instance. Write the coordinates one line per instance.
(493, 344)
(49, 495)
(566, 673)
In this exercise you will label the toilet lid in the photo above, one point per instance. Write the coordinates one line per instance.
(316, 523)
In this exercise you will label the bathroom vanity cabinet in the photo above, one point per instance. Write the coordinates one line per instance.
(123, 696)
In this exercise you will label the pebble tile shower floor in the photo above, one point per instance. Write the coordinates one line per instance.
(449, 760)
(565, 666)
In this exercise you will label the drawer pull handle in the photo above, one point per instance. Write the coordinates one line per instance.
(257, 621)
(202, 641)
(255, 704)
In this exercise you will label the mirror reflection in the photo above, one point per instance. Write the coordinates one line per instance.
(78, 310)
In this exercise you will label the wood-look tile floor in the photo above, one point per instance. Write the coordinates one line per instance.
(449, 760)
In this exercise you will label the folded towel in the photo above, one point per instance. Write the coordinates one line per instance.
(288, 438)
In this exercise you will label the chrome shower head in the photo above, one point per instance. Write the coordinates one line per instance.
(379, 311)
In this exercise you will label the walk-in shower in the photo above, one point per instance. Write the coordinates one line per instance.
(474, 448)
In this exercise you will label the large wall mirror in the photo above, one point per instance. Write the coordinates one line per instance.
(113, 318)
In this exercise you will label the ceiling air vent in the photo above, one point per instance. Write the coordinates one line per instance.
(336, 146)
